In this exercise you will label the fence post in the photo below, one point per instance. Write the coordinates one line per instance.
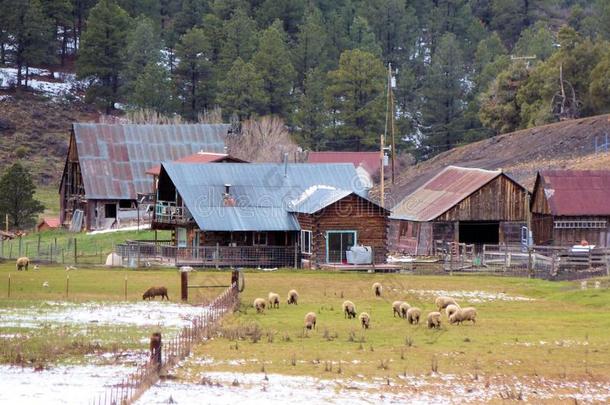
(67, 285)
(20, 246)
(38, 247)
(530, 267)
(296, 255)
(2, 246)
(9, 285)
(75, 252)
(184, 285)
(10, 252)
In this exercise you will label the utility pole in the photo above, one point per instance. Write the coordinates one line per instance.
(389, 119)
(382, 159)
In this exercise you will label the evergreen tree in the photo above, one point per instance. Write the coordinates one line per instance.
(152, 89)
(239, 38)
(490, 59)
(272, 61)
(102, 54)
(355, 100)
(17, 197)
(311, 117)
(310, 49)
(536, 40)
(190, 16)
(242, 93)
(193, 73)
(363, 38)
(510, 17)
(143, 48)
(60, 13)
(599, 89)
(443, 97)
(288, 12)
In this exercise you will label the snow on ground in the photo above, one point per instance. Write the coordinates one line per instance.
(127, 228)
(53, 89)
(141, 313)
(469, 296)
(58, 385)
(231, 388)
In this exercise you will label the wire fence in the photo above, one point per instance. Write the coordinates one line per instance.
(64, 251)
(171, 352)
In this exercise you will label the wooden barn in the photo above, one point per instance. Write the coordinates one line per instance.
(569, 206)
(463, 205)
(105, 185)
(267, 214)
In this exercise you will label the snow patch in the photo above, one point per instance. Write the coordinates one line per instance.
(470, 296)
(125, 229)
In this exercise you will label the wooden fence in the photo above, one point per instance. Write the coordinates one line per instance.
(134, 385)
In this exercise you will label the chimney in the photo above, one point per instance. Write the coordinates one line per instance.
(227, 188)
(228, 200)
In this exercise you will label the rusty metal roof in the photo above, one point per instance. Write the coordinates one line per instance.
(442, 192)
(576, 192)
(371, 161)
(200, 157)
(114, 157)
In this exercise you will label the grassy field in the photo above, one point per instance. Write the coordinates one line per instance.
(561, 332)
(49, 197)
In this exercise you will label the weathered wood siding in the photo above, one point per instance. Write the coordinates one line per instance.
(500, 200)
(540, 205)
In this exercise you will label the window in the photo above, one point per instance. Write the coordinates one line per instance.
(181, 237)
(110, 210)
(306, 242)
(259, 239)
(414, 229)
(125, 204)
(337, 243)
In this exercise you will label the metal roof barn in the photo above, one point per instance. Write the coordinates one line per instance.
(114, 157)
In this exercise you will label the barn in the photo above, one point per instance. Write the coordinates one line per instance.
(267, 214)
(460, 204)
(569, 206)
(104, 184)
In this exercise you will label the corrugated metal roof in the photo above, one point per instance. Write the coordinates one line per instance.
(263, 193)
(442, 192)
(318, 199)
(114, 157)
(200, 157)
(576, 192)
(371, 161)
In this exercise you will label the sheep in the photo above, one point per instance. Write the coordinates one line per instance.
(377, 288)
(413, 315)
(396, 308)
(434, 320)
(293, 297)
(310, 320)
(349, 310)
(442, 302)
(152, 292)
(365, 320)
(463, 314)
(259, 304)
(274, 300)
(404, 307)
(450, 310)
(22, 263)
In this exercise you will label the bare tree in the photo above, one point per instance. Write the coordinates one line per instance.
(264, 139)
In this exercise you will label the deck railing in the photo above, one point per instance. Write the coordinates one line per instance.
(169, 212)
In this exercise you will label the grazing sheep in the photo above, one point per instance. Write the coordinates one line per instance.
(365, 320)
(442, 302)
(349, 310)
(274, 300)
(404, 307)
(310, 320)
(434, 320)
(259, 304)
(463, 314)
(152, 292)
(413, 315)
(22, 263)
(377, 288)
(450, 310)
(396, 308)
(293, 297)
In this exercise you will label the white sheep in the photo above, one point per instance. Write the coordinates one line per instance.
(349, 309)
(450, 310)
(293, 297)
(413, 315)
(274, 300)
(310, 320)
(396, 308)
(259, 304)
(434, 320)
(463, 314)
(22, 263)
(365, 320)
(442, 302)
(377, 289)
(404, 307)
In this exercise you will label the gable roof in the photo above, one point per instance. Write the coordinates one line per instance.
(442, 192)
(576, 192)
(264, 193)
(316, 198)
(114, 157)
(51, 222)
(370, 161)
(200, 157)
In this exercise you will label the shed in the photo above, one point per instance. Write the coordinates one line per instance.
(46, 224)
(569, 206)
(105, 178)
(460, 204)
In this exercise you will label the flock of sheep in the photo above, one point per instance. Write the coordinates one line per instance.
(455, 313)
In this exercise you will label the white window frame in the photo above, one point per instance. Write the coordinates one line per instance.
(306, 248)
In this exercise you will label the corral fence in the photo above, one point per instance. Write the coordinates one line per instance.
(58, 250)
(134, 253)
(546, 262)
(134, 385)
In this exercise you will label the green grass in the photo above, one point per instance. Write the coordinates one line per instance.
(563, 332)
(49, 197)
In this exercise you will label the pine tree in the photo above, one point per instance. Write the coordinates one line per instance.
(17, 197)
(510, 17)
(102, 54)
(355, 100)
(152, 89)
(193, 72)
(143, 48)
(60, 13)
(241, 93)
(363, 38)
(190, 16)
(311, 117)
(239, 39)
(536, 40)
(272, 61)
(310, 49)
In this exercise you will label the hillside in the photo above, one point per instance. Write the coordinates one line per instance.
(567, 144)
